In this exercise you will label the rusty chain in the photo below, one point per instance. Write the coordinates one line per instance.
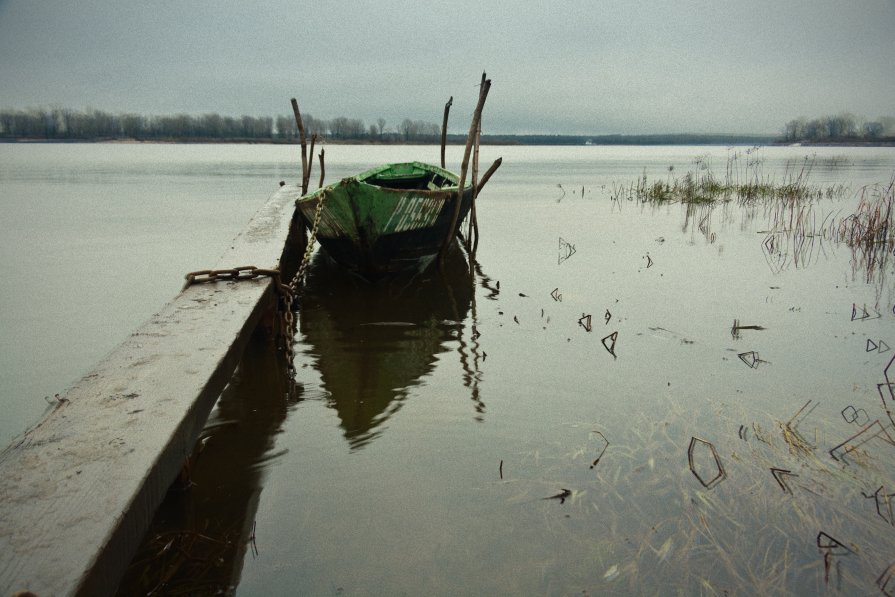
(299, 279)
(246, 272)
(290, 291)
(286, 292)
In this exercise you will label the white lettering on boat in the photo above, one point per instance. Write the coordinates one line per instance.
(416, 212)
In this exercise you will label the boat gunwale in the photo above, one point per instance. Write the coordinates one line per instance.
(361, 178)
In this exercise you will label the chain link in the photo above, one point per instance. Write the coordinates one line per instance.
(285, 292)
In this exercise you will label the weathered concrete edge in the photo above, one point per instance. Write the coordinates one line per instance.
(48, 543)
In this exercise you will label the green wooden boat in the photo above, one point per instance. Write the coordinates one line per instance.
(389, 219)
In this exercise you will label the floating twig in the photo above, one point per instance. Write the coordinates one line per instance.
(566, 250)
(751, 359)
(561, 496)
(778, 476)
(881, 431)
(828, 547)
(603, 451)
(879, 347)
(609, 343)
(721, 474)
(736, 327)
(585, 322)
(850, 414)
(885, 578)
(885, 500)
(792, 436)
(863, 314)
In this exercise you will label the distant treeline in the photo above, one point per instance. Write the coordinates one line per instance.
(65, 124)
(842, 128)
(92, 125)
(60, 124)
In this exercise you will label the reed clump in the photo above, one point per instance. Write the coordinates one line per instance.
(743, 181)
(870, 230)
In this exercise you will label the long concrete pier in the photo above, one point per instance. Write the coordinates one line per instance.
(78, 490)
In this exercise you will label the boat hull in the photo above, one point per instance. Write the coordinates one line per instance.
(375, 230)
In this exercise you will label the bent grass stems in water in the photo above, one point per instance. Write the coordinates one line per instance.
(870, 231)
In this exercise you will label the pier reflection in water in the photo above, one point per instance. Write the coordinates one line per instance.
(201, 534)
(373, 342)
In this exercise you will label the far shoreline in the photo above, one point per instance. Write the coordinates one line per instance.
(520, 140)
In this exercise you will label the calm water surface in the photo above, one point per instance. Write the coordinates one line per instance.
(435, 417)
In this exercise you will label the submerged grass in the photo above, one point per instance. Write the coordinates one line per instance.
(645, 518)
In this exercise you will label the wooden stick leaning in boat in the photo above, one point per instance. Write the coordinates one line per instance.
(306, 183)
(447, 110)
(473, 221)
(470, 138)
(304, 147)
(322, 169)
(488, 174)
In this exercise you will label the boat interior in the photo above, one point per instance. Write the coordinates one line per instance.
(419, 180)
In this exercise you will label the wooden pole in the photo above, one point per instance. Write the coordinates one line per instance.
(322, 169)
(307, 183)
(447, 109)
(488, 173)
(304, 146)
(470, 138)
(473, 220)
(473, 223)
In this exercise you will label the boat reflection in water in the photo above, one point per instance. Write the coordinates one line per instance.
(374, 342)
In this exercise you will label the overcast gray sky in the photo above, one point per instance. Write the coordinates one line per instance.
(575, 67)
